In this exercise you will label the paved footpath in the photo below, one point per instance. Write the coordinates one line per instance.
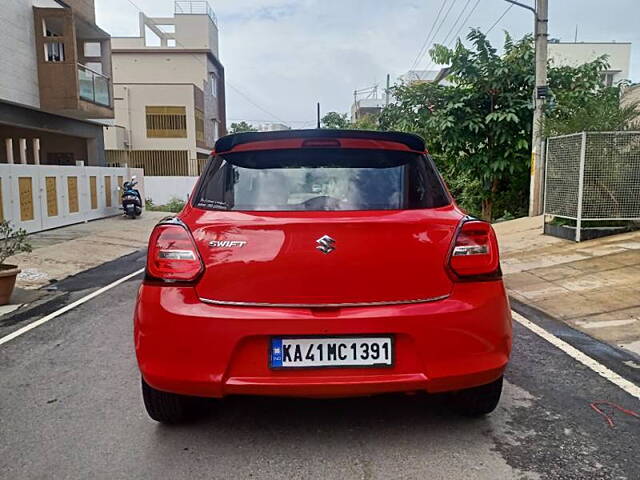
(593, 286)
(70, 407)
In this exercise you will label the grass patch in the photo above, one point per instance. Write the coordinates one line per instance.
(175, 205)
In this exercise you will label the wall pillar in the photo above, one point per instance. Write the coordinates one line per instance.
(92, 154)
(36, 151)
(8, 143)
(192, 167)
(23, 150)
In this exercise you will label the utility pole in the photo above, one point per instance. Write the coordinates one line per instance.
(386, 91)
(541, 32)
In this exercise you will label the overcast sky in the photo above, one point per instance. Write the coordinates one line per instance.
(287, 54)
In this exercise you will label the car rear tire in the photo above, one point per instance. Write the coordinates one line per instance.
(170, 408)
(478, 401)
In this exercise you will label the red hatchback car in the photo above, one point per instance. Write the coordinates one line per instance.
(321, 263)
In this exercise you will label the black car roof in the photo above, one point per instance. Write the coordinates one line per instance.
(414, 142)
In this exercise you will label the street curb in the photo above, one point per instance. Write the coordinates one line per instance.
(609, 355)
(53, 299)
(91, 278)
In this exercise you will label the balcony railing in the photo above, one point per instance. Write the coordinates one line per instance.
(195, 7)
(94, 87)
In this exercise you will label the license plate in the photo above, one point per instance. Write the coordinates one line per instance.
(331, 352)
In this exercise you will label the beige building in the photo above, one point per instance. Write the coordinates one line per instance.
(55, 69)
(168, 92)
(631, 96)
(574, 54)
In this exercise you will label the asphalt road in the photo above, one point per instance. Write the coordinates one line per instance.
(70, 407)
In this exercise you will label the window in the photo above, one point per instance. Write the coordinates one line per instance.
(53, 27)
(216, 129)
(92, 49)
(607, 78)
(54, 52)
(214, 85)
(320, 179)
(199, 126)
(166, 122)
(171, 42)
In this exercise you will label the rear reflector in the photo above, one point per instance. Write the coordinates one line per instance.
(475, 252)
(172, 255)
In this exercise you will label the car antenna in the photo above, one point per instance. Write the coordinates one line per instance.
(318, 115)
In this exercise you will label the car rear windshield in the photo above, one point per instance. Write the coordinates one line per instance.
(320, 179)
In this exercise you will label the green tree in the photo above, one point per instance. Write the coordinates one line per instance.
(581, 102)
(367, 122)
(242, 127)
(479, 127)
(335, 120)
(12, 241)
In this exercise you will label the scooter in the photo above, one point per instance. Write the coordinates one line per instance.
(131, 199)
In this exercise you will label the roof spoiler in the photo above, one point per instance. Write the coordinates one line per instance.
(227, 143)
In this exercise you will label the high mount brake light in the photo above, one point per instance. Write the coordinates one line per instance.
(172, 255)
(475, 252)
(321, 143)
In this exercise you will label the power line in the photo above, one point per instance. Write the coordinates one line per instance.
(498, 20)
(242, 94)
(431, 62)
(426, 40)
(252, 102)
(466, 19)
(464, 22)
(444, 19)
(455, 24)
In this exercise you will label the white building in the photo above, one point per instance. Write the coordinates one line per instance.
(425, 76)
(169, 92)
(272, 127)
(574, 54)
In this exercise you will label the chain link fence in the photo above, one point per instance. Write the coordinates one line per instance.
(593, 176)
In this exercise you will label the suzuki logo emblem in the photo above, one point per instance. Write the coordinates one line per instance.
(326, 244)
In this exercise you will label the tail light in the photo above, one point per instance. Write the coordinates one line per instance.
(474, 255)
(172, 254)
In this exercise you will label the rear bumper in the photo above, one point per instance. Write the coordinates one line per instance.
(188, 347)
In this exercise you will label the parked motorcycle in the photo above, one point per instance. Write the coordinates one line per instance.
(131, 199)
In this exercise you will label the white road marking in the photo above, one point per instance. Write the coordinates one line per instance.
(573, 352)
(66, 308)
(577, 355)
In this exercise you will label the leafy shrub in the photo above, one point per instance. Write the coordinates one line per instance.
(12, 241)
(175, 205)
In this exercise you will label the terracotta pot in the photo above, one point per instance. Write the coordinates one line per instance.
(8, 274)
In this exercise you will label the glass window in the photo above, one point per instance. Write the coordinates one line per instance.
(320, 179)
(214, 85)
(92, 49)
(54, 52)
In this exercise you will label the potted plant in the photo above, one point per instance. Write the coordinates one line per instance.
(12, 241)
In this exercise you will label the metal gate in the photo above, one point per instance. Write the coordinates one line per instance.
(40, 197)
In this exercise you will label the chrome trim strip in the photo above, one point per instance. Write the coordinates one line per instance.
(321, 305)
